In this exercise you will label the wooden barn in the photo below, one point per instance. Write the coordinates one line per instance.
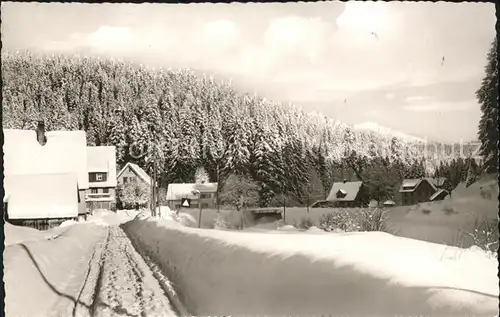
(45, 176)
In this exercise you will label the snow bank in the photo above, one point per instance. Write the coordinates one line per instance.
(38, 274)
(68, 223)
(109, 218)
(247, 273)
(19, 234)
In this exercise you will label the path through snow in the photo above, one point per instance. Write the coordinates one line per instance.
(105, 276)
(128, 287)
(120, 283)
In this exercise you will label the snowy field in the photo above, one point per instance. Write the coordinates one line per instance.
(247, 273)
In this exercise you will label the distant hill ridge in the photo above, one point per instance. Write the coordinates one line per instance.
(121, 104)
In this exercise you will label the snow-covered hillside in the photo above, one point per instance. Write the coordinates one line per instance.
(373, 126)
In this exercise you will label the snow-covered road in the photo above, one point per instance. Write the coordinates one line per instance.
(102, 277)
(126, 284)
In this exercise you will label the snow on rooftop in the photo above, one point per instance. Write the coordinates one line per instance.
(64, 152)
(41, 196)
(103, 159)
(179, 191)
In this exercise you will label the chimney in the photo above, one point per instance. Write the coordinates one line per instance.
(40, 133)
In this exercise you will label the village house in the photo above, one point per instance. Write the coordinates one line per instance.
(131, 172)
(414, 191)
(348, 194)
(196, 194)
(101, 166)
(134, 173)
(45, 176)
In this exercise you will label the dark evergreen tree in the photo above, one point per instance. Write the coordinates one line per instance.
(487, 96)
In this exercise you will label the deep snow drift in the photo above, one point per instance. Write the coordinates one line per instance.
(246, 273)
(39, 273)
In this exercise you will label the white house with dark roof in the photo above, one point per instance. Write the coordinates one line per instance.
(101, 167)
(348, 194)
(45, 174)
(178, 191)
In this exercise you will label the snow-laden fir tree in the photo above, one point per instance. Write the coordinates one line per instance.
(487, 96)
(201, 176)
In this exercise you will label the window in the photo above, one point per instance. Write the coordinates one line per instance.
(205, 195)
(93, 190)
(105, 190)
(97, 177)
(125, 180)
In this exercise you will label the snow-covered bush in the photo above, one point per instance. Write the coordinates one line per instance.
(484, 234)
(344, 221)
(363, 220)
(373, 220)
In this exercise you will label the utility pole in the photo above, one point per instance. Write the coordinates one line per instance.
(154, 187)
(217, 192)
(198, 194)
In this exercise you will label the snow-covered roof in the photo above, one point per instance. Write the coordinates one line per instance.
(137, 170)
(409, 185)
(102, 159)
(64, 152)
(437, 181)
(179, 191)
(438, 193)
(350, 189)
(38, 196)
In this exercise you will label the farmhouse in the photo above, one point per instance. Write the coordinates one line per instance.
(348, 194)
(45, 176)
(101, 166)
(206, 197)
(416, 190)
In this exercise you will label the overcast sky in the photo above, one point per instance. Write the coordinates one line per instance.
(356, 62)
